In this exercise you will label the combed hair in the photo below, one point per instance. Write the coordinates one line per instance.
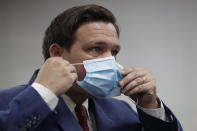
(63, 27)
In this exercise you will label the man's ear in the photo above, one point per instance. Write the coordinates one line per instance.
(56, 50)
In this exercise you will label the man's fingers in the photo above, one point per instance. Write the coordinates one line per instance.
(75, 76)
(138, 81)
(144, 88)
(72, 69)
(126, 71)
(131, 76)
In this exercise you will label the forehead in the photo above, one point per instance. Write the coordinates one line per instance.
(93, 30)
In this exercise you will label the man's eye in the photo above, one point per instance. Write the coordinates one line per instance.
(114, 52)
(96, 49)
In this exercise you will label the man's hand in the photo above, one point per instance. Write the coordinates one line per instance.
(57, 74)
(139, 83)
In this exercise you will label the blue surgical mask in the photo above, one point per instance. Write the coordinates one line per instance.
(102, 77)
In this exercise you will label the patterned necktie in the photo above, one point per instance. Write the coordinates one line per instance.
(81, 113)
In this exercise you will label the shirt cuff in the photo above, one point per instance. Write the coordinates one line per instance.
(48, 96)
(157, 113)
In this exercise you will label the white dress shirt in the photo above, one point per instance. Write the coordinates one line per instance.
(51, 99)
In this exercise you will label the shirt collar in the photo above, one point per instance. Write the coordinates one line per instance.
(71, 105)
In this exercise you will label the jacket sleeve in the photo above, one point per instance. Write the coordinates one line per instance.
(150, 123)
(25, 111)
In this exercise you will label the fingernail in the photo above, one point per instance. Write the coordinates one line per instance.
(122, 71)
(121, 83)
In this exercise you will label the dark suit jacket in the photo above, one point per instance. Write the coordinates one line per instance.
(23, 109)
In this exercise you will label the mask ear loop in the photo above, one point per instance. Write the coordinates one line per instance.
(77, 64)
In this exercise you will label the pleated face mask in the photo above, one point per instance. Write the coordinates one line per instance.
(102, 77)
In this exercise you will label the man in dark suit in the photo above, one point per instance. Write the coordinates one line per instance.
(53, 100)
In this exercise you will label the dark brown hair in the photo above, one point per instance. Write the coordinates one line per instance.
(63, 27)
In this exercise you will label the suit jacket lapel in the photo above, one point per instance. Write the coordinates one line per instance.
(65, 118)
(103, 120)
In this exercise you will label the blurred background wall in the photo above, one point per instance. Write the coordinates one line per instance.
(160, 35)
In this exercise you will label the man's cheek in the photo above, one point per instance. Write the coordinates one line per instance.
(81, 72)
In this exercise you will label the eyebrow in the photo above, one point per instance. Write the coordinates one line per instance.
(103, 43)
